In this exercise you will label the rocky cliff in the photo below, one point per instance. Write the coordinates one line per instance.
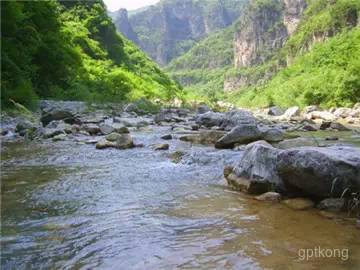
(265, 29)
(170, 28)
(121, 20)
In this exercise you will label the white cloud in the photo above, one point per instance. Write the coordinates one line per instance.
(114, 5)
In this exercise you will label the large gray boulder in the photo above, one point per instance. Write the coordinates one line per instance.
(321, 172)
(61, 110)
(256, 171)
(241, 134)
(226, 121)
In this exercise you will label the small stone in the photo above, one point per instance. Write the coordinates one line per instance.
(269, 196)
(331, 138)
(60, 137)
(167, 137)
(299, 203)
(163, 146)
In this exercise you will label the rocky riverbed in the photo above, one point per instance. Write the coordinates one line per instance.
(98, 186)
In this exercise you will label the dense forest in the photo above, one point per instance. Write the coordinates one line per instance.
(70, 50)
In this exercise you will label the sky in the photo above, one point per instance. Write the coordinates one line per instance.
(114, 5)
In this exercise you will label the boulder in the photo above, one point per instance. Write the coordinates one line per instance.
(320, 172)
(163, 146)
(203, 109)
(204, 137)
(237, 118)
(332, 204)
(275, 111)
(52, 132)
(256, 171)
(115, 140)
(327, 116)
(210, 119)
(120, 128)
(291, 112)
(272, 134)
(23, 125)
(92, 129)
(299, 203)
(338, 126)
(242, 134)
(61, 110)
(60, 124)
(311, 108)
(343, 112)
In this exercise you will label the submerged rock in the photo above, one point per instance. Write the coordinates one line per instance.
(163, 146)
(299, 203)
(204, 137)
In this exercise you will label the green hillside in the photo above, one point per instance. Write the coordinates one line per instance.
(71, 50)
(319, 63)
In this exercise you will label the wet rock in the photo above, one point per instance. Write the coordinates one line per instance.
(239, 135)
(52, 132)
(269, 196)
(299, 203)
(332, 204)
(166, 137)
(23, 125)
(92, 129)
(321, 172)
(203, 109)
(60, 124)
(120, 128)
(163, 146)
(177, 156)
(195, 127)
(60, 137)
(106, 129)
(204, 137)
(256, 171)
(115, 140)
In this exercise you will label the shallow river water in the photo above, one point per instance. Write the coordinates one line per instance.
(68, 206)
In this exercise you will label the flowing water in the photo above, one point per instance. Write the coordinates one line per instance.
(69, 206)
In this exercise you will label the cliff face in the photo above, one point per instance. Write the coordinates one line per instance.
(170, 28)
(121, 20)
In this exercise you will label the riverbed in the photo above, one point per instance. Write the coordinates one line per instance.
(66, 205)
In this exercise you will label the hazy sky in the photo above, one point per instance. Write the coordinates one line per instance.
(113, 5)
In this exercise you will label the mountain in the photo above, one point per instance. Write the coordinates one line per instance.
(71, 50)
(284, 52)
(121, 20)
(171, 27)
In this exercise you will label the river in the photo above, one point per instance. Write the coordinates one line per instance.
(67, 205)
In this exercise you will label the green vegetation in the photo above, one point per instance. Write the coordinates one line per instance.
(319, 64)
(71, 50)
(328, 75)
